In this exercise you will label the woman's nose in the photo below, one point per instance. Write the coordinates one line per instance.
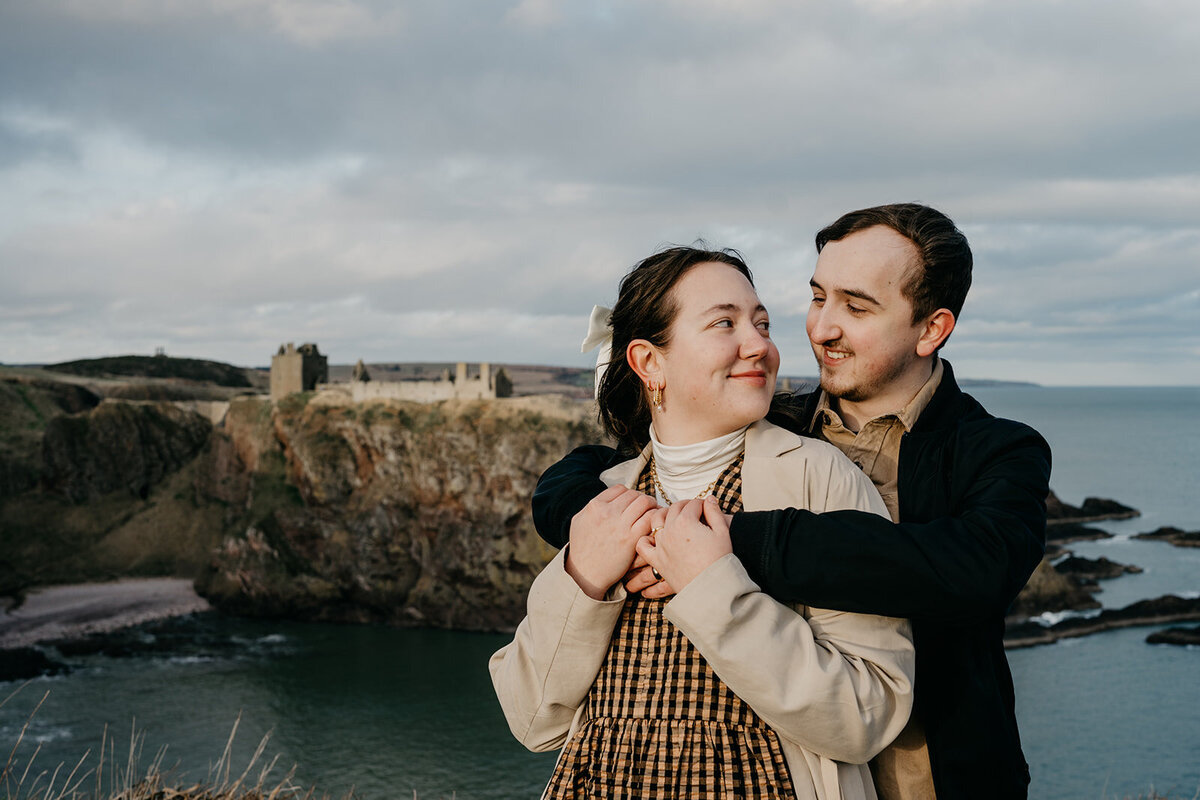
(754, 344)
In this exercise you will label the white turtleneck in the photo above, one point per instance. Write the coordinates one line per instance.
(687, 470)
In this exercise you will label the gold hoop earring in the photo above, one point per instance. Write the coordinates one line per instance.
(656, 397)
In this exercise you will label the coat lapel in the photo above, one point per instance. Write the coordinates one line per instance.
(765, 484)
(627, 472)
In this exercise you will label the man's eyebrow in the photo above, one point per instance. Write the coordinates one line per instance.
(859, 293)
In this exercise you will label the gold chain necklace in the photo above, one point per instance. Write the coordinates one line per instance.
(659, 487)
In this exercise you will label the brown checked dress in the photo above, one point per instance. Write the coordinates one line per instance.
(660, 723)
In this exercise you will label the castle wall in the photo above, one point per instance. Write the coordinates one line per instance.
(484, 386)
(421, 391)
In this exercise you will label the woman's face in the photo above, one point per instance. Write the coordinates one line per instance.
(720, 364)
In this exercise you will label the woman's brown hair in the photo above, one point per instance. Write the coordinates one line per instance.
(645, 309)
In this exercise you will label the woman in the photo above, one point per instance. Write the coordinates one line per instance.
(720, 691)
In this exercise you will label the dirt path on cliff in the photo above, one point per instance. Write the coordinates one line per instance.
(74, 611)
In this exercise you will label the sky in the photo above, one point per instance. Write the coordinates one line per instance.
(462, 181)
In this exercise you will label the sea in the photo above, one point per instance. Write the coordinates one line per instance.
(387, 713)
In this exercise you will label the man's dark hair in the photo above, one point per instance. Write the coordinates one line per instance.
(941, 275)
(645, 309)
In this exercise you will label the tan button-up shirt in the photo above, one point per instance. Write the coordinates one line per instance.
(902, 770)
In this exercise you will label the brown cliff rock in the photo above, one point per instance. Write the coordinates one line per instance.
(392, 512)
(1048, 590)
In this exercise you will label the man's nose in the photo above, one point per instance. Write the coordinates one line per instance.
(822, 325)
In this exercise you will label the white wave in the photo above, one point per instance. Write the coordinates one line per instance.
(1049, 618)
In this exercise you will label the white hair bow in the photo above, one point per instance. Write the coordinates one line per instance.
(599, 335)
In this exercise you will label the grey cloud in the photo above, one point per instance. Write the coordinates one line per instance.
(378, 175)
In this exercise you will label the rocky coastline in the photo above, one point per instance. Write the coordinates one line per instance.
(406, 514)
(1059, 600)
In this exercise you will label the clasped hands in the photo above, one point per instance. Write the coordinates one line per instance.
(623, 535)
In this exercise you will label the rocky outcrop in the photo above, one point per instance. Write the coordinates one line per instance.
(1159, 611)
(1175, 636)
(1065, 585)
(394, 512)
(1049, 590)
(1175, 536)
(1094, 509)
(1068, 532)
(119, 446)
(1090, 570)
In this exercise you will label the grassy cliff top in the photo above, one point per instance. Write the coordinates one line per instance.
(193, 369)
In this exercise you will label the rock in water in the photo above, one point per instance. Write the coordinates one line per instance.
(1048, 590)
(1175, 636)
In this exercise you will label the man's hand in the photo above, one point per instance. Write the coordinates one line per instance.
(694, 535)
(604, 536)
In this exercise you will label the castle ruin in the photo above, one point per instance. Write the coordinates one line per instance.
(297, 369)
(304, 369)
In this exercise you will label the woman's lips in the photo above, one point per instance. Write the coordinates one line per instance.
(753, 376)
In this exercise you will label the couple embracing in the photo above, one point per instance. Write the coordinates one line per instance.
(767, 595)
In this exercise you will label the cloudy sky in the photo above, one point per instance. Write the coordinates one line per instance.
(448, 180)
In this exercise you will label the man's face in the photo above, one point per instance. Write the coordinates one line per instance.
(859, 323)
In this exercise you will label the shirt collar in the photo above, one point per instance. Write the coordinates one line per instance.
(908, 416)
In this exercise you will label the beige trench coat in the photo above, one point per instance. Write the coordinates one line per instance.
(835, 687)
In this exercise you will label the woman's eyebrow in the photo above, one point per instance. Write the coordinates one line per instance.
(728, 307)
(721, 307)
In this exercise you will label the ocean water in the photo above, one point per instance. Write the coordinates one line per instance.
(1109, 715)
(395, 713)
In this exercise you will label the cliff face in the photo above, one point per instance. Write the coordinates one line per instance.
(27, 406)
(399, 512)
(391, 512)
(88, 493)
(119, 446)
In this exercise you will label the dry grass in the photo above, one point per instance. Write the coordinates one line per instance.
(120, 776)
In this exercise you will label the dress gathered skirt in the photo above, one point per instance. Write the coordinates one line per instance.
(660, 723)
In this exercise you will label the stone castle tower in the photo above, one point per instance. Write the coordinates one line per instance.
(297, 369)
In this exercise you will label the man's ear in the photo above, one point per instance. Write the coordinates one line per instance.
(646, 362)
(937, 329)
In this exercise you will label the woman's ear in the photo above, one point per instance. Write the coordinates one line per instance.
(937, 328)
(646, 362)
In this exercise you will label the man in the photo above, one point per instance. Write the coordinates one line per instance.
(966, 492)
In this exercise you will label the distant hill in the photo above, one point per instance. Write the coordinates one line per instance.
(192, 369)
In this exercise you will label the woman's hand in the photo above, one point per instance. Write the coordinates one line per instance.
(604, 536)
(695, 535)
(641, 576)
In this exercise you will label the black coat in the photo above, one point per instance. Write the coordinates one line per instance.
(972, 492)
